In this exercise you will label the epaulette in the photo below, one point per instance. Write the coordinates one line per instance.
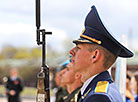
(65, 97)
(101, 87)
(5, 79)
(86, 94)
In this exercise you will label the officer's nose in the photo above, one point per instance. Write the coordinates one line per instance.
(72, 51)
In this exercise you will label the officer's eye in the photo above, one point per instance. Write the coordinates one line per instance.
(78, 47)
(67, 69)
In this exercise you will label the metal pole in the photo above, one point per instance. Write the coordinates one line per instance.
(123, 72)
(120, 74)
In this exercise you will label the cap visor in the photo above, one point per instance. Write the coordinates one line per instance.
(81, 40)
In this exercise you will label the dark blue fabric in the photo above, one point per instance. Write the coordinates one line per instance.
(128, 100)
(98, 98)
(112, 94)
(104, 76)
(136, 98)
(94, 28)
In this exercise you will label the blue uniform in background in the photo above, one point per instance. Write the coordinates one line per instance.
(101, 89)
(128, 100)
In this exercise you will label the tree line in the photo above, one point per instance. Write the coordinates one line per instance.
(28, 61)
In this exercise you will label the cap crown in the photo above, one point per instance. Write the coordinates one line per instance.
(96, 32)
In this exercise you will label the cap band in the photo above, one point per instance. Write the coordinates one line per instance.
(92, 39)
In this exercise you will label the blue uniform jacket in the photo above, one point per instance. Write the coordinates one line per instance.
(110, 95)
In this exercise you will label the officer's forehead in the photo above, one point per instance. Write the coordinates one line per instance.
(84, 44)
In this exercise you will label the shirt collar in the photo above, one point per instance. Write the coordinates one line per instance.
(13, 78)
(87, 83)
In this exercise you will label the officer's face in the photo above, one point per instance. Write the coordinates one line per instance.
(69, 75)
(81, 57)
(59, 76)
(13, 73)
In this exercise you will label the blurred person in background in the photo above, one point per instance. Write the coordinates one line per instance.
(60, 91)
(13, 85)
(134, 83)
(72, 81)
(129, 93)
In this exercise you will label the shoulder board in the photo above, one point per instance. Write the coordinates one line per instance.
(101, 87)
(5, 79)
(65, 97)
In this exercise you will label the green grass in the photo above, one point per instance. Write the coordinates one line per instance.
(28, 91)
(2, 90)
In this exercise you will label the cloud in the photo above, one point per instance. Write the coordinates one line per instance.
(16, 34)
(11, 29)
(64, 18)
(16, 6)
(21, 34)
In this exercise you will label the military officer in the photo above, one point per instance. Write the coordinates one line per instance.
(72, 81)
(95, 52)
(13, 86)
(61, 90)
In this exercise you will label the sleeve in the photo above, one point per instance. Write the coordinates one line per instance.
(19, 87)
(6, 85)
(98, 98)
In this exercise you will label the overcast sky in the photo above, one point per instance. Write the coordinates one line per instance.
(65, 18)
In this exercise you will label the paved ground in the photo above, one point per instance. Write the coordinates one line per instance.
(3, 99)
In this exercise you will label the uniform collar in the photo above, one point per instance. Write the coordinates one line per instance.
(87, 82)
(13, 78)
(103, 76)
(72, 95)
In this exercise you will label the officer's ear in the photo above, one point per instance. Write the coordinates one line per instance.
(95, 55)
(77, 75)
